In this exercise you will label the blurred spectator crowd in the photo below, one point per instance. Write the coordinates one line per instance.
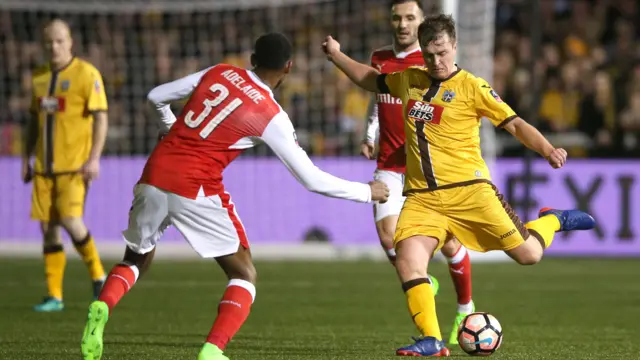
(588, 69)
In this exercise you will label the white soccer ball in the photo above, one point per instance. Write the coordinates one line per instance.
(480, 334)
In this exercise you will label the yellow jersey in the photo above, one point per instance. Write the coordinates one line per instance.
(64, 102)
(442, 126)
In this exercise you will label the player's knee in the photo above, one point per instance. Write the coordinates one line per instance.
(528, 258)
(50, 234)
(412, 259)
(451, 247)
(75, 227)
(247, 272)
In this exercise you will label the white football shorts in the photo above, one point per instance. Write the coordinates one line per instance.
(210, 224)
(395, 182)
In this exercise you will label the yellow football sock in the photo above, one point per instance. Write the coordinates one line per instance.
(54, 262)
(422, 307)
(89, 253)
(546, 227)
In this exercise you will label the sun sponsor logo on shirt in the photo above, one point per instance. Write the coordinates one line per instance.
(424, 111)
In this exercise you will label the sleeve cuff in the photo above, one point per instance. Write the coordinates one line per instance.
(507, 120)
(383, 88)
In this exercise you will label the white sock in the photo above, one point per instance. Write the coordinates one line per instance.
(466, 308)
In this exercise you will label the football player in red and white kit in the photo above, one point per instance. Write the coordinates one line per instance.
(386, 125)
(229, 110)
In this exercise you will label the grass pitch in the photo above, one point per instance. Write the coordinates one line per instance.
(559, 309)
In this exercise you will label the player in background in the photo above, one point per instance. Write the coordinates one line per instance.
(66, 133)
(448, 185)
(229, 110)
(386, 118)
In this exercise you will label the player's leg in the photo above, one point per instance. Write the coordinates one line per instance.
(212, 227)
(385, 228)
(413, 256)
(541, 233)
(72, 191)
(386, 215)
(54, 265)
(236, 302)
(147, 221)
(53, 251)
(460, 269)
(420, 232)
(483, 221)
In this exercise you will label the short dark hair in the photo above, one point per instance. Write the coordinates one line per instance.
(272, 51)
(434, 25)
(398, 2)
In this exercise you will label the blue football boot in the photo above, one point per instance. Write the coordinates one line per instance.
(49, 304)
(426, 346)
(570, 219)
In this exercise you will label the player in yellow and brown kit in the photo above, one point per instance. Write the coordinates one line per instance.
(448, 186)
(66, 134)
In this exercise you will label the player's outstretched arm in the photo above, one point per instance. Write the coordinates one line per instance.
(530, 137)
(362, 75)
(279, 135)
(162, 96)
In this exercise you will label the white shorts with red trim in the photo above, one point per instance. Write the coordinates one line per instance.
(210, 224)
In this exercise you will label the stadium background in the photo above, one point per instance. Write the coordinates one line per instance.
(571, 67)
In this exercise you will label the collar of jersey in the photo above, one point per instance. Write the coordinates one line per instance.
(259, 81)
(448, 77)
(403, 54)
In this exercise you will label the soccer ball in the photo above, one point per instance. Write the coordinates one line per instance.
(480, 334)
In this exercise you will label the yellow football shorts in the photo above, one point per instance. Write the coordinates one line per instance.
(58, 196)
(477, 215)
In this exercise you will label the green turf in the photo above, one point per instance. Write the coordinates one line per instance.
(560, 309)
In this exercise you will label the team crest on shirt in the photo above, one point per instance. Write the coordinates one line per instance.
(448, 96)
(64, 85)
(422, 111)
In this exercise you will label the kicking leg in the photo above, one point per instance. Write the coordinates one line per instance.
(55, 261)
(460, 270)
(542, 232)
(235, 305)
(412, 261)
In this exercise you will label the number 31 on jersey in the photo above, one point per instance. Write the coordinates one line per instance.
(209, 105)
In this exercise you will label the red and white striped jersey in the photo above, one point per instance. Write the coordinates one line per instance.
(386, 114)
(229, 110)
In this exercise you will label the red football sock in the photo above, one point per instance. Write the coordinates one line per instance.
(119, 282)
(233, 310)
(460, 270)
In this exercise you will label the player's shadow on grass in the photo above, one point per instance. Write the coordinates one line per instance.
(159, 343)
(161, 335)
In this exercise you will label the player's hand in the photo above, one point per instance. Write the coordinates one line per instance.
(557, 158)
(330, 46)
(367, 149)
(379, 191)
(27, 172)
(91, 170)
